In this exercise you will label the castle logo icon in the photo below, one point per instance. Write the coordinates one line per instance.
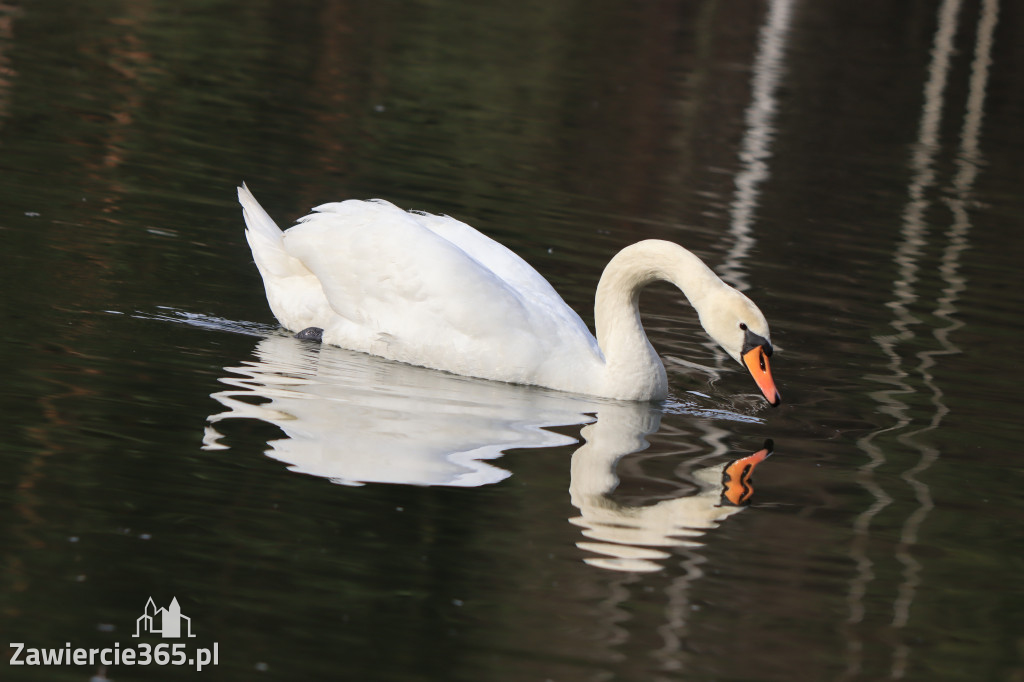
(164, 622)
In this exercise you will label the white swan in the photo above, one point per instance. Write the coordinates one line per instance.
(432, 291)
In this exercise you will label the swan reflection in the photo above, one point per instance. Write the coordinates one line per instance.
(635, 537)
(354, 419)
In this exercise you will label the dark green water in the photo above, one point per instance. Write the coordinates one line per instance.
(855, 166)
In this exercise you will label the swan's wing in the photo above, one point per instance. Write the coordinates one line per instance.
(495, 257)
(515, 273)
(380, 267)
(435, 297)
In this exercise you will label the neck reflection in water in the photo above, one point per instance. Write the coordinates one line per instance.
(354, 419)
(635, 537)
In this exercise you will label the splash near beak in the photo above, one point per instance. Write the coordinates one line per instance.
(737, 486)
(756, 361)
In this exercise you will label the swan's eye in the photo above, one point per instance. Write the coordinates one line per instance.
(743, 326)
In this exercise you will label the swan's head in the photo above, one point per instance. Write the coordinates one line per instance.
(736, 324)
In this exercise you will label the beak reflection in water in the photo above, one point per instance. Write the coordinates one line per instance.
(737, 477)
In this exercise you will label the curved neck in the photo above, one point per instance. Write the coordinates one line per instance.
(633, 369)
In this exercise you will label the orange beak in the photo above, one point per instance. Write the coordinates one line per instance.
(756, 361)
(737, 483)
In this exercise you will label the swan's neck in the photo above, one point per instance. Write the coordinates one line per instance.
(633, 369)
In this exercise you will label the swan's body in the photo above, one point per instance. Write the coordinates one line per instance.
(432, 291)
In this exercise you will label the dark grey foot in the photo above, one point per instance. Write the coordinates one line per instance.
(311, 334)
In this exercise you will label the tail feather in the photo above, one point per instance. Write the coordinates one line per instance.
(265, 239)
(256, 219)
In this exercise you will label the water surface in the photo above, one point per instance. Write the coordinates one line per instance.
(325, 515)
